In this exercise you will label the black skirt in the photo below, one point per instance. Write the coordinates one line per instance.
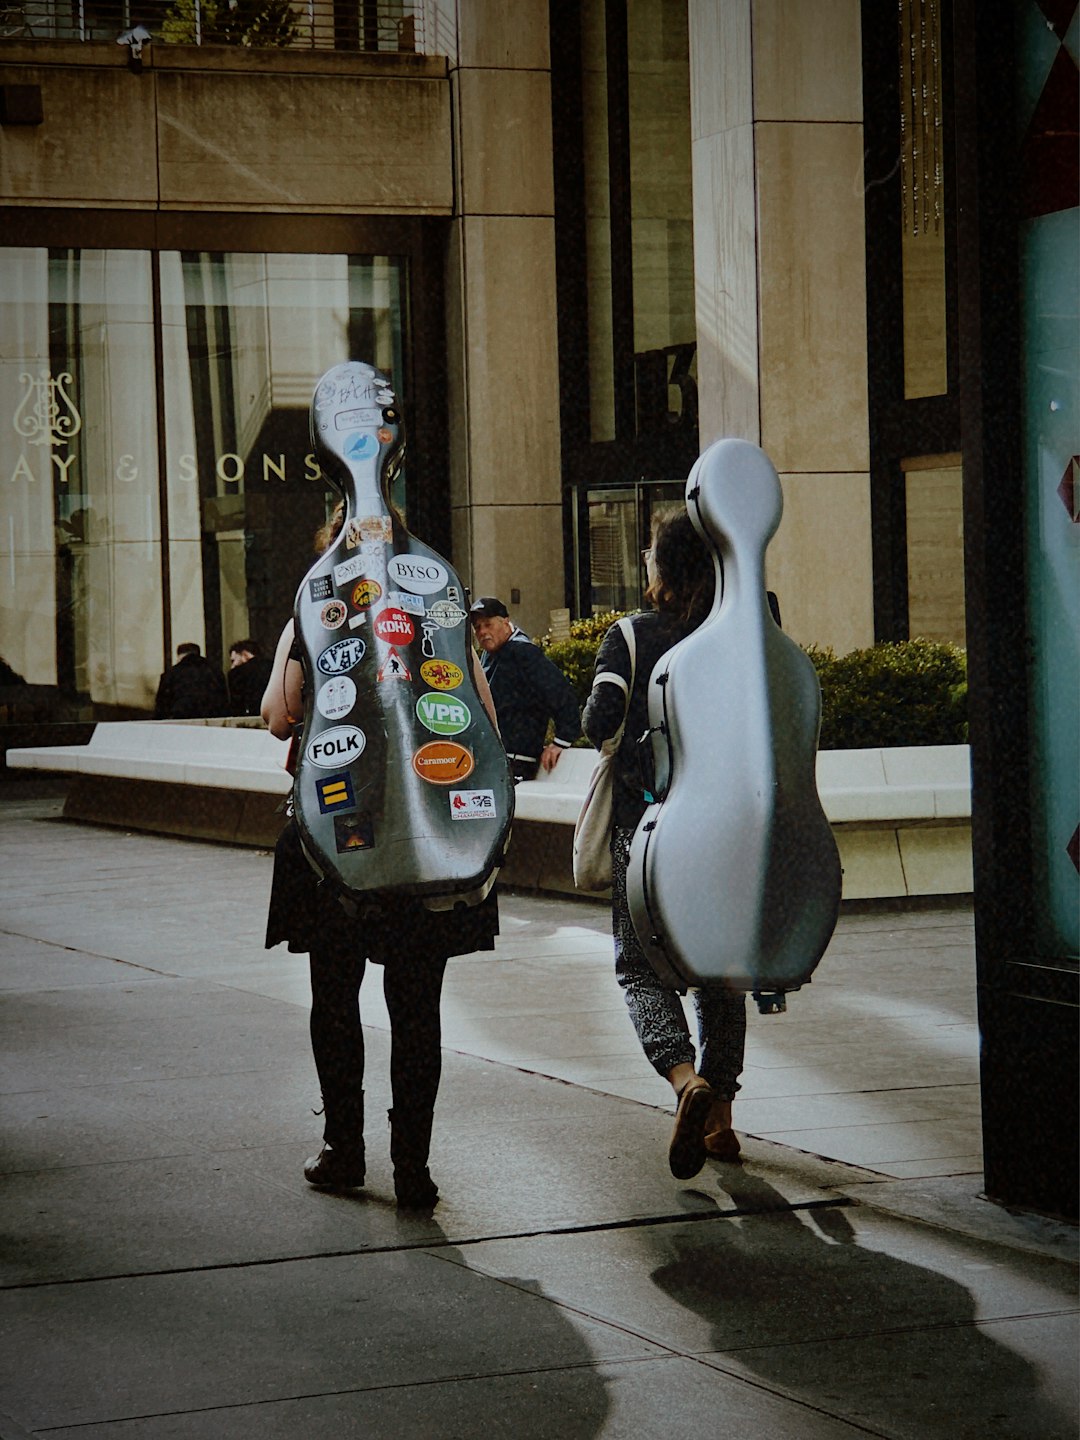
(303, 907)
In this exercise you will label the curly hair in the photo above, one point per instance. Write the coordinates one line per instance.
(685, 581)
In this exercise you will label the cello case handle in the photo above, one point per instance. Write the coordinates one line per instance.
(734, 877)
(402, 784)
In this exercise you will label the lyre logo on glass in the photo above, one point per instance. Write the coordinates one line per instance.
(53, 419)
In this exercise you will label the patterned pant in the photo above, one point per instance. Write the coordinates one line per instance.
(657, 1012)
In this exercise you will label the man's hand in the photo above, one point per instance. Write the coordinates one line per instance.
(549, 756)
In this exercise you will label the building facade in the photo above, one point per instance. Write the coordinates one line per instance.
(585, 239)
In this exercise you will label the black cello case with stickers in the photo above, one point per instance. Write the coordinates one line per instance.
(402, 784)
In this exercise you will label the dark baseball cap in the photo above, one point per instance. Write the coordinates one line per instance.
(486, 608)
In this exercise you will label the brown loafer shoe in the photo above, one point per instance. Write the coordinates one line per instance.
(686, 1154)
(723, 1145)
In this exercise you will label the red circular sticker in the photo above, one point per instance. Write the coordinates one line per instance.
(395, 626)
(442, 762)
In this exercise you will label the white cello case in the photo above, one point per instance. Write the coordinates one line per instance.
(734, 875)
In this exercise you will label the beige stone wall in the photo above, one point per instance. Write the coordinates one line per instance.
(506, 489)
(776, 101)
(224, 129)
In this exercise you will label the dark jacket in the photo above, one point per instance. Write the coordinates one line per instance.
(654, 635)
(247, 685)
(529, 690)
(191, 690)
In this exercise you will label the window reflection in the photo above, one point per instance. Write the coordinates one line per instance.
(86, 562)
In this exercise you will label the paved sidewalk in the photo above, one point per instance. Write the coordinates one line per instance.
(166, 1272)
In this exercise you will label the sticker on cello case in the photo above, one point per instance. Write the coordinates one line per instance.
(348, 570)
(442, 674)
(365, 592)
(414, 604)
(332, 614)
(368, 529)
(336, 698)
(415, 573)
(442, 762)
(473, 805)
(335, 792)
(342, 655)
(446, 614)
(336, 747)
(360, 447)
(394, 626)
(394, 668)
(353, 419)
(442, 715)
(321, 587)
(353, 832)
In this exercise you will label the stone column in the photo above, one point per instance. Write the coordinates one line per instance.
(501, 326)
(779, 258)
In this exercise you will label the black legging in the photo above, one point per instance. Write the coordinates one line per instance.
(413, 989)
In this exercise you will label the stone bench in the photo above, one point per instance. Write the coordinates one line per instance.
(902, 817)
(203, 779)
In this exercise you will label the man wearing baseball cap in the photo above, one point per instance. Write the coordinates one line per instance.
(527, 688)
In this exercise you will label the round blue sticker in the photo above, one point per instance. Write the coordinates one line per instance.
(361, 447)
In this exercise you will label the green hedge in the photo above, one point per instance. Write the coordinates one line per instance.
(905, 692)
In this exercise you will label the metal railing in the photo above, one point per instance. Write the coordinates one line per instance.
(420, 27)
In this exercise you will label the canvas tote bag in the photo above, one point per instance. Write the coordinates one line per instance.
(592, 833)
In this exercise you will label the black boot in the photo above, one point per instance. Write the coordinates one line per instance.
(410, 1140)
(334, 1169)
(339, 1165)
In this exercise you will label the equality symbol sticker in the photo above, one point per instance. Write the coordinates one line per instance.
(335, 792)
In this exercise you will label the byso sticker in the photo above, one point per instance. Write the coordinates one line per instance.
(472, 805)
(341, 656)
(321, 587)
(442, 762)
(336, 698)
(335, 792)
(333, 614)
(443, 716)
(442, 674)
(337, 746)
(394, 626)
(413, 572)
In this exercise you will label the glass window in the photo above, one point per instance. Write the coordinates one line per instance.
(81, 614)
(244, 339)
(619, 526)
(120, 540)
